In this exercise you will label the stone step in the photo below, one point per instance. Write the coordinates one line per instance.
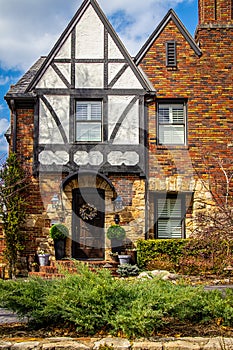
(46, 275)
(54, 270)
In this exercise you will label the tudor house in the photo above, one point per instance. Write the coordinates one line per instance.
(108, 137)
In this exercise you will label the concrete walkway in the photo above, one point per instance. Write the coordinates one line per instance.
(7, 317)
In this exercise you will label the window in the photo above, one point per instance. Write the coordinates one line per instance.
(89, 121)
(171, 124)
(171, 54)
(169, 216)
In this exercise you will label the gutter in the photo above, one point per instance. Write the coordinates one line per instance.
(13, 110)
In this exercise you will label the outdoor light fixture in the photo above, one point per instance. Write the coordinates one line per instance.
(55, 201)
(118, 206)
(118, 203)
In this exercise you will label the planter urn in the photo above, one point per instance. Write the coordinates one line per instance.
(59, 247)
(124, 259)
(43, 259)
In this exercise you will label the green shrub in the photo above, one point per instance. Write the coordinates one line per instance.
(96, 302)
(59, 231)
(126, 270)
(116, 231)
(148, 250)
(161, 262)
(208, 254)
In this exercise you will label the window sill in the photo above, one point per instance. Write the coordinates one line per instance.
(173, 147)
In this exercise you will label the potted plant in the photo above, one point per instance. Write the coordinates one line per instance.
(58, 233)
(35, 267)
(43, 257)
(116, 234)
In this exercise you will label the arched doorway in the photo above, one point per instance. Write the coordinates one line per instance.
(88, 192)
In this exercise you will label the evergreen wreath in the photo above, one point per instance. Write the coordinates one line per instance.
(88, 212)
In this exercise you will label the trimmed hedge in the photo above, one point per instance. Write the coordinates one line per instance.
(148, 250)
(194, 256)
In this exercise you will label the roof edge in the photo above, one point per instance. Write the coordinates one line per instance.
(171, 15)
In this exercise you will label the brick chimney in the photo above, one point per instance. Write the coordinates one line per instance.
(212, 12)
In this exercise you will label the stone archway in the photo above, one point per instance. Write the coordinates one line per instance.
(87, 198)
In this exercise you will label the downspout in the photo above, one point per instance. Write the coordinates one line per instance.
(13, 110)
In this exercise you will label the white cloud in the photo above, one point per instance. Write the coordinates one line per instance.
(3, 146)
(29, 28)
(4, 80)
(4, 125)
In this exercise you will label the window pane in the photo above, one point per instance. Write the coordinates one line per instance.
(169, 229)
(169, 134)
(88, 132)
(96, 112)
(163, 114)
(89, 121)
(89, 110)
(169, 207)
(82, 111)
(178, 114)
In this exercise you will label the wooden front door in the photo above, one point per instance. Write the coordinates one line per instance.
(88, 224)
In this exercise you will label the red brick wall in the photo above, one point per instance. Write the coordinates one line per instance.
(206, 82)
(25, 129)
(169, 82)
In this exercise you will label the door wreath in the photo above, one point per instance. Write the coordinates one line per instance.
(87, 212)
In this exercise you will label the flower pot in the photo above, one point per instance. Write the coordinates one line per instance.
(59, 247)
(116, 245)
(124, 259)
(43, 259)
(35, 268)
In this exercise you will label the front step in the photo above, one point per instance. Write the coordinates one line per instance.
(55, 268)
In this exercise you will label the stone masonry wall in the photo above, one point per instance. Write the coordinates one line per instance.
(67, 343)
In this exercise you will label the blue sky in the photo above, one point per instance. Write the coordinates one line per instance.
(30, 28)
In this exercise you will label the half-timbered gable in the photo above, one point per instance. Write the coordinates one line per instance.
(90, 100)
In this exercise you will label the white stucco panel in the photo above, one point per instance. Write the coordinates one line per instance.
(113, 69)
(92, 158)
(51, 80)
(129, 129)
(131, 158)
(128, 80)
(117, 105)
(96, 158)
(119, 158)
(89, 75)
(48, 130)
(90, 36)
(65, 69)
(61, 106)
(115, 158)
(50, 157)
(65, 50)
(81, 158)
(113, 51)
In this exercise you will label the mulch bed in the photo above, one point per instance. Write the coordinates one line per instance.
(177, 330)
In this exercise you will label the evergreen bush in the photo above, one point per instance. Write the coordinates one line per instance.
(96, 302)
(58, 231)
(116, 231)
(126, 270)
